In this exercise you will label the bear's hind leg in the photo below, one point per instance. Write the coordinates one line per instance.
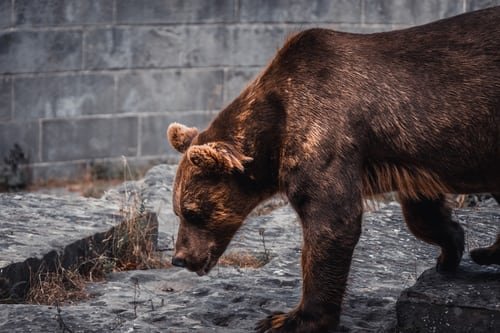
(487, 255)
(496, 196)
(430, 220)
(491, 254)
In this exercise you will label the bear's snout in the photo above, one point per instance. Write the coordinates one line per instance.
(199, 264)
(178, 261)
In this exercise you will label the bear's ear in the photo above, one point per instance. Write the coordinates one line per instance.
(180, 136)
(217, 157)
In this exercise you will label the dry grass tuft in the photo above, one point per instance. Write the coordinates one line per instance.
(130, 245)
(133, 246)
(242, 260)
(134, 242)
(62, 286)
(246, 259)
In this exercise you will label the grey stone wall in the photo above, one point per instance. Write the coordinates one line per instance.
(83, 83)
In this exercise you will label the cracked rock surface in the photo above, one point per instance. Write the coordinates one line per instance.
(387, 260)
(468, 301)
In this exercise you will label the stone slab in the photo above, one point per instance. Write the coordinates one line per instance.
(32, 225)
(410, 12)
(170, 90)
(479, 4)
(184, 45)
(5, 13)
(89, 138)
(24, 134)
(338, 11)
(5, 98)
(175, 11)
(468, 301)
(44, 319)
(38, 232)
(40, 51)
(157, 46)
(61, 12)
(63, 96)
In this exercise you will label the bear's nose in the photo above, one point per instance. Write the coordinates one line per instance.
(178, 261)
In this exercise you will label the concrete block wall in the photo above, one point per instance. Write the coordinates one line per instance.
(85, 82)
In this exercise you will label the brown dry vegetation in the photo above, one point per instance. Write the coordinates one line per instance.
(62, 286)
(132, 246)
(242, 260)
(246, 259)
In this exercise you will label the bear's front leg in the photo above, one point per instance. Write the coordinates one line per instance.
(330, 235)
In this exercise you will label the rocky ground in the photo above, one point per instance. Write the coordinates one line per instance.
(231, 299)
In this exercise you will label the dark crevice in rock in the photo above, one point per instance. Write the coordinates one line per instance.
(16, 278)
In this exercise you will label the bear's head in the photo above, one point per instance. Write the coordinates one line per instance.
(212, 196)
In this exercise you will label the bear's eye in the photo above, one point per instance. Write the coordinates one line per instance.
(193, 216)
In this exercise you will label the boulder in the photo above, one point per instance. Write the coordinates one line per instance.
(42, 233)
(468, 301)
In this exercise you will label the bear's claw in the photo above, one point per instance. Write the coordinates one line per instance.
(294, 321)
(272, 323)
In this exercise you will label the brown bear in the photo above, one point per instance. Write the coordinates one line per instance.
(336, 117)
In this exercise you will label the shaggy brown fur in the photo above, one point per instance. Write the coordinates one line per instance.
(336, 117)
(409, 182)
